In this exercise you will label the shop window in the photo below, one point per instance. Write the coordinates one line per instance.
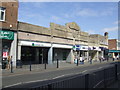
(64, 56)
(2, 14)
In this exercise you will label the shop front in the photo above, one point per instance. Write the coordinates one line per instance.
(114, 53)
(33, 52)
(62, 52)
(9, 42)
(94, 53)
(81, 51)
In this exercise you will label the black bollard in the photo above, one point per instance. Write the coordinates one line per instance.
(77, 62)
(30, 66)
(11, 67)
(57, 63)
(45, 63)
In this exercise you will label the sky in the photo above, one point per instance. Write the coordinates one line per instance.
(92, 17)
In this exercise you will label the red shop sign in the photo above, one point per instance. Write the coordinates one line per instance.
(5, 54)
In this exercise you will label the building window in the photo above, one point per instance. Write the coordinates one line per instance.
(2, 14)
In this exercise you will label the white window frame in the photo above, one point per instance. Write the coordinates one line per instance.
(4, 14)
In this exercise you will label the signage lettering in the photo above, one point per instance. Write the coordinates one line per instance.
(7, 35)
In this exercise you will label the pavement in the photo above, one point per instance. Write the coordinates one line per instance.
(49, 67)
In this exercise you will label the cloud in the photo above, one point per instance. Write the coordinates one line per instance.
(87, 12)
(110, 29)
(55, 18)
(58, 19)
(39, 4)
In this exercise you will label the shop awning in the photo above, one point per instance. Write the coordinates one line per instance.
(112, 51)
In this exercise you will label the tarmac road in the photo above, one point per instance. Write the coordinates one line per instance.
(30, 78)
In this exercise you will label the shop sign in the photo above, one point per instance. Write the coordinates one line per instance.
(62, 46)
(84, 48)
(7, 35)
(114, 51)
(94, 48)
(5, 54)
(37, 44)
(79, 47)
(76, 47)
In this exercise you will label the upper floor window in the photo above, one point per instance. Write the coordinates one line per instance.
(2, 14)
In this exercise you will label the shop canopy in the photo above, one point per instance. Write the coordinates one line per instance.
(112, 51)
(81, 47)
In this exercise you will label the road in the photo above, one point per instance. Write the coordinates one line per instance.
(13, 80)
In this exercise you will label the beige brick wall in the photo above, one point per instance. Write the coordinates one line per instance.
(60, 34)
(34, 37)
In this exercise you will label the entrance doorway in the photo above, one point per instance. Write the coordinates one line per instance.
(35, 55)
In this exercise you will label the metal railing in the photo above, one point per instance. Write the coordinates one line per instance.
(96, 79)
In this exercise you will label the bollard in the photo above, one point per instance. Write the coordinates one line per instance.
(20, 64)
(116, 76)
(77, 62)
(30, 66)
(45, 64)
(57, 63)
(11, 67)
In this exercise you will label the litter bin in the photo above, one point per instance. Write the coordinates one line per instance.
(18, 64)
(4, 63)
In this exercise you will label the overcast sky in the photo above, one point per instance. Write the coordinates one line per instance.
(92, 17)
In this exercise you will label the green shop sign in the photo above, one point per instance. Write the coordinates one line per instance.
(7, 35)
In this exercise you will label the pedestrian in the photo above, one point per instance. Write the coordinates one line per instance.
(81, 60)
(100, 59)
(113, 57)
(90, 59)
(107, 58)
(117, 57)
(8, 62)
(75, 60)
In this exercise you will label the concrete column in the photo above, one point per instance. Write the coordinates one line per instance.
(87, 55)
(14, 49)
(97, 55)
(50, 55)
(70, 57)
(19, 52)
